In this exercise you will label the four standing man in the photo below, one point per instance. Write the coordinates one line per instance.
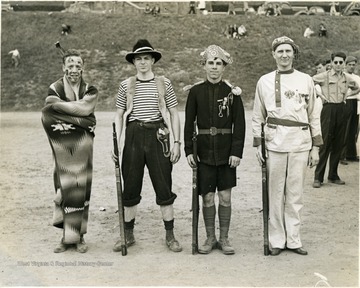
(217, 108)
(69, 122)
(142, 105)
(284, 101)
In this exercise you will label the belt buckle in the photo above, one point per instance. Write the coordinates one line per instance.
(213, 131)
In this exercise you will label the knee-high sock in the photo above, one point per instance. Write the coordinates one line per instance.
(224, 220)
(209, 220)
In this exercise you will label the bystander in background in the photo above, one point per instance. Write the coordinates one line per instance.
(350, 152)
(308, 32)
(15, 57)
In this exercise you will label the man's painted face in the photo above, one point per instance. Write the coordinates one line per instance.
(284, 56)
(143, 62)
(338, 64)
(350, 67)
(214, 68)
(73, 68)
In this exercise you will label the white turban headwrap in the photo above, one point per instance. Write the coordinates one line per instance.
(214, 51)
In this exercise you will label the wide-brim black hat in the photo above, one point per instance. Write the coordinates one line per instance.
(142, 46)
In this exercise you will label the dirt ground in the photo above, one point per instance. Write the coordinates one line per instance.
(330, 229)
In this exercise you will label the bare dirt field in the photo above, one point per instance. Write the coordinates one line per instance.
(330, 230)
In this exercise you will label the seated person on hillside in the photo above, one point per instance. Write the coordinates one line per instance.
(65, 29)
(261, 10)
(147, 9)
(242, 31)
(156, 11)
(269, 10)
(234, 31)
(227, 31)
(277, 10)
(322, 31)
(308, 32)
(15, 57)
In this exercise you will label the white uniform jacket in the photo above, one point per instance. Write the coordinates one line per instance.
(280, 97)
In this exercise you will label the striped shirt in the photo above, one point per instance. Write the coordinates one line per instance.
(146, 100)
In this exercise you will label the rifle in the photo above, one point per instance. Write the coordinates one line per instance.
(265, 193)
(119, 193)
(62, 50)
(195, 197)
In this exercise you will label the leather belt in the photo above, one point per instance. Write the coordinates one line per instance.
(214, 131)
(149, 125)
(286, 122)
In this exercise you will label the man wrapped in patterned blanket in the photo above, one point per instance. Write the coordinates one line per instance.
(69, 122)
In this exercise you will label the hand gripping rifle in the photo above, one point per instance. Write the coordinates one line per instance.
(265, 194)
(119, 193)
(195, 197)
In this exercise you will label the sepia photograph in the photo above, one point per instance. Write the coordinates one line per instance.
(179, 143)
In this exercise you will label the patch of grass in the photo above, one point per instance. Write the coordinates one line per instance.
(104, 39)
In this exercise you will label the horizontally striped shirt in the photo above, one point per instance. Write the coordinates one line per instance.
(146, 100)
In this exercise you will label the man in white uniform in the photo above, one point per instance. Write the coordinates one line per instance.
(285, 101)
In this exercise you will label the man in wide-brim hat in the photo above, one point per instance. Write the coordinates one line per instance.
(142, 104)
(143, 46)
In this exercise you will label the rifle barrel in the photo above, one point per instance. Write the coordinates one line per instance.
(119, 193)
(265, 193)
(195, 197)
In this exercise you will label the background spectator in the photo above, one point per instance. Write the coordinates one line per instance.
(15, 57)
(322, 30)
(65, 29)
(192, 6)
(308, 32)
(231, 10)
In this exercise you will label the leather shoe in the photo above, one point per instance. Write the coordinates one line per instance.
(337, 181)
(317, 184)
(82, 247)
(300, 251)
(210, 244)
(61, 247)
(275, 251)
(225, 246)
(343, 162)
(174, 245)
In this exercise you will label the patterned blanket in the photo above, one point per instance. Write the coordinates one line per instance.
(71, 140)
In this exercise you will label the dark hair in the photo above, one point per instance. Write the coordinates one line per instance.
(71, 52)
(338, 54)
(204, 61)
(321, 61)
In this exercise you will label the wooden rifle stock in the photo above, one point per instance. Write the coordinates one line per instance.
(265, 193)
(195, 197)
(119, 193)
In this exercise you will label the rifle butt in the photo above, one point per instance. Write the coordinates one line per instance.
(266, 250)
